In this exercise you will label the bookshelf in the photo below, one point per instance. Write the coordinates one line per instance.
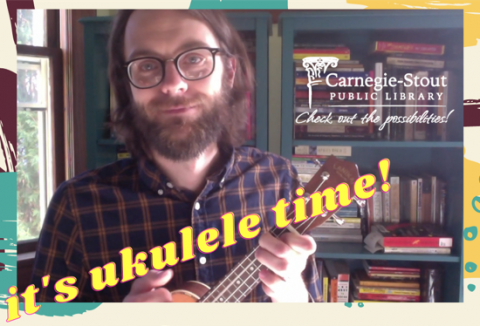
(358, 30)
(101, 148)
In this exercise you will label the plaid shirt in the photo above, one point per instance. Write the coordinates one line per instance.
(130, 203)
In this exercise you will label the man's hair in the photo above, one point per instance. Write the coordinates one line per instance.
(231, 45)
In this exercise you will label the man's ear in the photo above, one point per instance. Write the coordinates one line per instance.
(231, 68)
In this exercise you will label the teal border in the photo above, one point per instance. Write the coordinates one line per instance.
(239, 4)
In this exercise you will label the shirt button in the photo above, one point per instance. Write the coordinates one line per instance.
(197, 205)
(203, 260)
(169, 185)
(160, 192)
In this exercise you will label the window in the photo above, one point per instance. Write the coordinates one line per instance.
(39, 119)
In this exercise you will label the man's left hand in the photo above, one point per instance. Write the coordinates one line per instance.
(286, 258)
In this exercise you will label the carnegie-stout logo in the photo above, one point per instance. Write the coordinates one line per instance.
(315, 66)
(415, 92)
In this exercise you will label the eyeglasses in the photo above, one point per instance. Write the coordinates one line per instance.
(192, 64)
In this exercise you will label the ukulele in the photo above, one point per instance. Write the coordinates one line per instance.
(243, 278)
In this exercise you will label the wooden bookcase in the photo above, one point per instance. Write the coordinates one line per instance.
(358, 30)
(101, 148)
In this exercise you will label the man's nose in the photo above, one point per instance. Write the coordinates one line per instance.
(172, 82)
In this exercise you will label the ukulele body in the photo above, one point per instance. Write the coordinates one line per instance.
(191, 291)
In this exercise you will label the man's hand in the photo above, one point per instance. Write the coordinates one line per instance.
(149, 287)
(286, 258)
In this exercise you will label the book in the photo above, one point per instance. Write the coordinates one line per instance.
(388, 297)
(410, 250)
(397, 47)
(338, 50)
(364, 280)
(340, 56)
(339, 273)
(394, 275)
(325, 281)
(370, 265)
(413, 235)
(384, 290)
(413, 62)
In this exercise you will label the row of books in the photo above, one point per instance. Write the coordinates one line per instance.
(379, 281)
(412, 198)
(408, 238)
(335, 112)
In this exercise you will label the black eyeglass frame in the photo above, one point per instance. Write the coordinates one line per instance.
(213, 51)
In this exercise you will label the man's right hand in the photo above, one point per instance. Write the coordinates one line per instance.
(149, 287)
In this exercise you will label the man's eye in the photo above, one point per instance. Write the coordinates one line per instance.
(194, 59)
(148, 66)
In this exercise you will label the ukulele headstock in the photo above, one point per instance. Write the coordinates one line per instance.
(331, 174)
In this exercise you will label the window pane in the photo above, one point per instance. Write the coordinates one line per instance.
(31, 173)
(31, 27)
(32, 82)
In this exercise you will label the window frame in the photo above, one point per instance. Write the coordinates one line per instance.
(54, 53)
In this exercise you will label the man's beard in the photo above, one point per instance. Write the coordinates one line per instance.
(162, 134)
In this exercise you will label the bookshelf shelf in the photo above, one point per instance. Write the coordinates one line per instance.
(388, 144)
(357, 251)
(101, 149)
(358, 30)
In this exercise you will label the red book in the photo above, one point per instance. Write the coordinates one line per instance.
(432, 49)
(414, 235)
(387, 297)
(339, 50)
(383, 266)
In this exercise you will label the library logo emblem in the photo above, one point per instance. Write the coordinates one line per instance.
(315, 66)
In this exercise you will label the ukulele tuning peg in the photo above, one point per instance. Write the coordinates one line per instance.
(360, 202)
(338, 220)
(325, 175)
(317, 162)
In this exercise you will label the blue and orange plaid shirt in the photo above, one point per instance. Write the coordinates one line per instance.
(130, 203)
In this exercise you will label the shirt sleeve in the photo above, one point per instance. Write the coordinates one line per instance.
(59, 251)
(310, 273)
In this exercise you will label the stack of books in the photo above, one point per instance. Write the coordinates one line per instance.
(422, 80)
(382, 282)
(408, 239)
(333, 113)
(350, 231)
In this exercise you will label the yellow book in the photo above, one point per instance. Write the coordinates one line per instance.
(123, 155)
(300, 56)
(325, 284)
(363, 289)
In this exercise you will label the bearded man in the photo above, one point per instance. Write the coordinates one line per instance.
(181, 80)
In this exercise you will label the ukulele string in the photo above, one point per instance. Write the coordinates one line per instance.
(252, 272)
(253, 261)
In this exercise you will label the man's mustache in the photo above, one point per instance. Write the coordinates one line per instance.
(170, 102)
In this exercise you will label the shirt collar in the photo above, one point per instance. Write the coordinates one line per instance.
(154, 179)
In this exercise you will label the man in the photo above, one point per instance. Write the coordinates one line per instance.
(181, 79)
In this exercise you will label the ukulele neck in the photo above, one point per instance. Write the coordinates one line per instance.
(242, 279)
